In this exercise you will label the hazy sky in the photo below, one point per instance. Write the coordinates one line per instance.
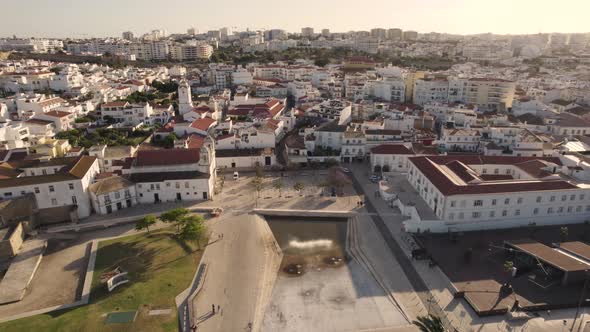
(95, 18)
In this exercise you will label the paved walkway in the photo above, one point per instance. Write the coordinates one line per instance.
(236, 269)
(376, 205)
(21, 271)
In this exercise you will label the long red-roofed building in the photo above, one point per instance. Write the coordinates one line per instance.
(473, 192)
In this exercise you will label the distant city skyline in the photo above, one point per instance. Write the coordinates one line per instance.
(85, 19)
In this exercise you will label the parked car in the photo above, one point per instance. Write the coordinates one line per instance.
(345, 170)
(236, 176)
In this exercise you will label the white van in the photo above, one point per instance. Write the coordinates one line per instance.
(236, 176)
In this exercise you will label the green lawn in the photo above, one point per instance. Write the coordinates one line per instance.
(159, 266)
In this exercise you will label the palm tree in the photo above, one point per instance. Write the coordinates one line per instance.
(563, 233)
(508, 266)
(145, 223)
(429, 323)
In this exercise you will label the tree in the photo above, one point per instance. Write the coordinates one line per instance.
(193, 228)
(337, 178)
(331, 162)
(145, 223)
(259, 171)
(321, 62)
(298, 186)
(278, 185)
(258, 185)
(175, 216)
(563, 233)
(429, 323)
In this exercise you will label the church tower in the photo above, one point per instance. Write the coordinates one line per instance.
(185, 101)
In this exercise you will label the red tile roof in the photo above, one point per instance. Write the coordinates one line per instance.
(58, 114)
(391, 149)
(203, 124)
(430, 167)
(166, 157)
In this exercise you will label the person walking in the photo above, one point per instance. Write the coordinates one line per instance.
(213, 308)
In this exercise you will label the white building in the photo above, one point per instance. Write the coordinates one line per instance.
(59, 182)
(112, 194)
(173, 174)
(489, 192)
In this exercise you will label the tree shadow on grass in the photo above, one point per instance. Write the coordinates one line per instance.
(132, 257)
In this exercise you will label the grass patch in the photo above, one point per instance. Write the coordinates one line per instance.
(160, 267)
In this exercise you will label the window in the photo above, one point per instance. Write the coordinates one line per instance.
(8, 194)
(152, 186)
(493, 201)
(478, 202)
(560, 209)
(139, 186)
(117, 195)
(539, 199)
(572, 197)
(74, 200)
(552, 199)
(177, 185)
(484, 171)
(519, 200)
(536, 211)
(107, 199)
(37, 190)
(517, 212)
(579, 208)
(71, 185)
(582, 196)
(496, 171)
(158, 186)
(492, 214)
(504, 213)
(507, 201)
(186, 184)
(51, 189)
(564, 198)
(44, 172)
(167, 184)
(475, 215)
(451, 216)
(508, 171)
(53, 201)
(570, 208)
(453, 203)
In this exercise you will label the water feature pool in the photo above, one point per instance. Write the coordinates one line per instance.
(309, 243)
